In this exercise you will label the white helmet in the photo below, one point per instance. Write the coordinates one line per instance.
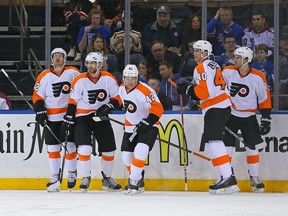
(94, 56)
(59, 50)
(203, 45)
(244, 52)
(130, 71)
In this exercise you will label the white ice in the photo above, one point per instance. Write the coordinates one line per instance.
(149, 203)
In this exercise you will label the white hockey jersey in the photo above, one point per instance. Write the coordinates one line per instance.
(248, 93)
(88, 93)
(138, 104)
(54, 90)
(251, 39)
(210, 86)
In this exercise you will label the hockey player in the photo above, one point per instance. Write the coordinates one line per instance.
(249, 92)
(209, 87)
(142, 112)
(93, 92)
(50, 99)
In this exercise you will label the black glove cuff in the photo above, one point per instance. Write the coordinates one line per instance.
(152, 119)
(193, 94)
(39, 106)
(71, 110)
(265, 113)
(115, 104)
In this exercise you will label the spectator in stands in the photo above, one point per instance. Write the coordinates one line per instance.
(117, 44)
(189, 63)
(283, 70)
(98, 44)
(221, 25)
(166, 72)
(76, 14)
(112, 10)
(264, 65)
(143, 70)
(96, 27)
(191, 32)
(164, 30)
(227, 58)
(7, 100)
(159, 53)
(165, 100)
(259, 33)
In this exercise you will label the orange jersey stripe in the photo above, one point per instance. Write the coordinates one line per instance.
(215, 100)
(138, 163)
(247, 110)
(127, 123)
(51, 111)
(252, 159)
(78, 111)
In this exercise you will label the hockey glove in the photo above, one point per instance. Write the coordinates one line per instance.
(41, 117)
(142, 126)
(104, 109)
(146, 123)
(184, 89)
(68, 124)
(265, 126)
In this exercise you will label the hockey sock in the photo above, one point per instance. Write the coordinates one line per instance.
(54, 158)
(84, 155)
(221, 159)
(253, 161)
(71, 157)
(127, 159)
(107, 162)
(140, 154)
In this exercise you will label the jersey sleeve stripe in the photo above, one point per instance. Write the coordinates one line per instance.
(156, 108)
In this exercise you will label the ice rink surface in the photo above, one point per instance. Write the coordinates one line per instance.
(41, 203)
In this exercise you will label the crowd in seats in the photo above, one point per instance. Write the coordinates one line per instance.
(163, 36)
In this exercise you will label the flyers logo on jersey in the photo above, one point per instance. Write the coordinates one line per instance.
(129, 106)
(99, 94)
(240, 89)
(61, 87)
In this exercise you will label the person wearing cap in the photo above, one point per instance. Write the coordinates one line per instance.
(117, 44)
(164, 30)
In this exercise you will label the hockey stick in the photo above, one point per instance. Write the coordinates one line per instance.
(105, 118)
(25, 99)
(64, 158)
(183, 135)
(226, 128)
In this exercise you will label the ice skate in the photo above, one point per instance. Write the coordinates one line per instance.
(256, 184)
(212, 187)
(85, 184)
(72, 177)
(109, 184)
(54, 184)
(227, 186)
(136, 186)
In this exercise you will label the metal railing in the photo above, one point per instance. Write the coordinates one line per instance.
(38, 66)
(23, 27)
